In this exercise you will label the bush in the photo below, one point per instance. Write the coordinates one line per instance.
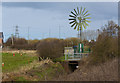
(106, 46)
(51, 48)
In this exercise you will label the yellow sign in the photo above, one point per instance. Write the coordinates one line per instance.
(67, 50)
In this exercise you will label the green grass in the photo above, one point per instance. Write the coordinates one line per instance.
(49, 71)
(62, 58)
(12, 63)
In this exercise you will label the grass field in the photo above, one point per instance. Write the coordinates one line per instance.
(12, 63)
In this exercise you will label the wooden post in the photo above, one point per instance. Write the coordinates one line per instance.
(65, 65)
(65, 57)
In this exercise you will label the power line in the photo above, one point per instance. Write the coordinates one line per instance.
(12, 39)
(28, 35)
(16, 32)
(59, 32)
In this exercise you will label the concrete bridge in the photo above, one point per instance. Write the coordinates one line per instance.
(72, 61)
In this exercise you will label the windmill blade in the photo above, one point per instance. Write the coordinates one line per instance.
(85, 12)
(87, 15)
(71, 19)
(72, 22)
(75, 26)
(72, 16)
(84, 26)
(78, 28)
(78, 10)
(88, 18)
(73, 13)
(88, 21)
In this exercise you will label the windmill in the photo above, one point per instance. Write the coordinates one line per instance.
(78, 19)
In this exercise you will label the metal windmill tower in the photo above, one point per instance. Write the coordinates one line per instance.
(79, 20)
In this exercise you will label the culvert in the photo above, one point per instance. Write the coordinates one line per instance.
(73, 65)
(70, 66)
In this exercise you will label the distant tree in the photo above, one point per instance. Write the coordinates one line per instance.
(21, 43)
(17, 41)
(90, 34)
(71, 41)
(111, 29)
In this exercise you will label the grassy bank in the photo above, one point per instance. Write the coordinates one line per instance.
(45, 70)
(12, 63)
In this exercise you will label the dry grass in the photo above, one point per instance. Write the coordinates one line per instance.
(19, 51)
(107, 71)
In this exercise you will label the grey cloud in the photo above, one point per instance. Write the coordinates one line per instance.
(103, 8)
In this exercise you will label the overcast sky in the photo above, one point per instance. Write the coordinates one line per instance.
(45, 18)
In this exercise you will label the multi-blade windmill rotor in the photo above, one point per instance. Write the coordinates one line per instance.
(79, 19)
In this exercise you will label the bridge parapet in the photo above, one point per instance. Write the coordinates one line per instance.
(75, 56)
